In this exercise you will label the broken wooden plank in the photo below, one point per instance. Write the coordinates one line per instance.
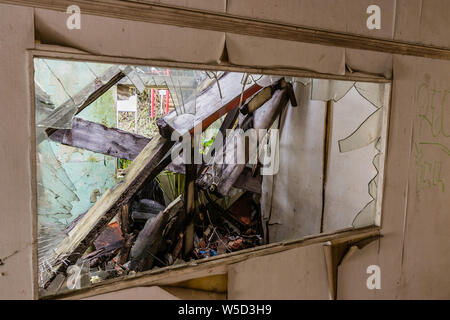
(210, 106)
(221, 177)
(124, 220)
(126, 248)
(83, 98)
(190, 196)
(149, 239)
(101, 139)
(146, 166)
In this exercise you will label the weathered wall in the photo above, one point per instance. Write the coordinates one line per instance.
(295, 274)
(16, 215)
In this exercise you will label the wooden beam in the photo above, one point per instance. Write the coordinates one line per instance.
(145, 166)
(210, 266)
(224, 22)
(220, 176)
(99, 138)
(149, 239)
(209, 106)
(91, 92)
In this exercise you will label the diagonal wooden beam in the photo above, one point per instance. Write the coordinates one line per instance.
(223, 22)
(91, 92)
(209, 106)
(220, 176)
(146, 166)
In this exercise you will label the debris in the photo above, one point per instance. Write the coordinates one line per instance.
(129, 230)
(143, 210)
(144, 167)
(74, 105)
(178, 247)
(110, 235)
(208, 106)
(149, 239)
(220, 177)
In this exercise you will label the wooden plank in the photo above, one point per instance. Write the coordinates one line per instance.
(99, 138)
(149, 239)
(223, 22)
(84, 98)
(208, 106)
(143, 168)
(191, 198)
(216, 283)
(221, 177)
(212, 266)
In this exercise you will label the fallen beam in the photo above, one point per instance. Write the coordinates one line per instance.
(221, 175)
(145, 167)
(247, 181)
(101, 139)
(150, 238)
(210, 105)
(82, 99)
(264, 95)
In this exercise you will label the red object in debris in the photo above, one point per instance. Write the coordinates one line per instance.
(152, 106)
(167, 100)
(110, 235)
(236, 244)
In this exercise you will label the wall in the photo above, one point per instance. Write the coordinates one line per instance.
(16, 202)
(413, 253)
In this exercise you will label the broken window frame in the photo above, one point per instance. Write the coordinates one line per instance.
(218, 264)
